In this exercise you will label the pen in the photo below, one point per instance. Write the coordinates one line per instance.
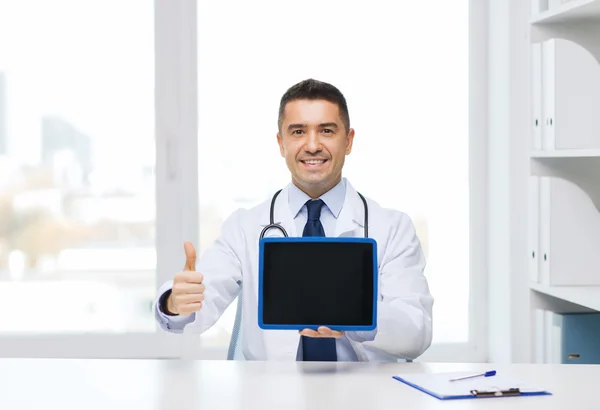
(486, 374)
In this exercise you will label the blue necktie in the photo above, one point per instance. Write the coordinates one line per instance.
(316, 349)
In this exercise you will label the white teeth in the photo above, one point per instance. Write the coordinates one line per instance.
(314, 161)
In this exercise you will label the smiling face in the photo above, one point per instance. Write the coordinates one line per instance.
(314, 143)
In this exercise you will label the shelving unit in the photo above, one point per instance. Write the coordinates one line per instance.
(581, 167)
(578, 22)
(575, 20)
(581, 298)
(567, 154)
(575, 11)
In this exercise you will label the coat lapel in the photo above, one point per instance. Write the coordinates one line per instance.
(350, 219)
(352, 214)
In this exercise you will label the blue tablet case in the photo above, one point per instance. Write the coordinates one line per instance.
(357, 256)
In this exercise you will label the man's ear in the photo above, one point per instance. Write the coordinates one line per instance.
(349, 141)
(280, 142)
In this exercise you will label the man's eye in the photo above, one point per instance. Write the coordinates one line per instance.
(327, 131)
(297, 132)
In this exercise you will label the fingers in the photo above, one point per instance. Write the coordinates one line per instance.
(182, 300)
(188, 309)
(322, 331)
(186, 303)
(185, 287)
(190, 257)
(309, 333)
(189, 277)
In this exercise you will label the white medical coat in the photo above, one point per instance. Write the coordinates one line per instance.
(230, 265)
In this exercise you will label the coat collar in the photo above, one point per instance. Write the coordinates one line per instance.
(350, 217)
(334, 198)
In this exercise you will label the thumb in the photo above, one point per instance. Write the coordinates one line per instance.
(190, 257)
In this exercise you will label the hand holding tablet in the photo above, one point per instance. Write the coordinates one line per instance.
(322, 331)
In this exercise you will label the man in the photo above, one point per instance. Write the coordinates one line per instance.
(314, 137)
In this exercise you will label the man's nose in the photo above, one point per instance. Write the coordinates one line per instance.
(313, 144)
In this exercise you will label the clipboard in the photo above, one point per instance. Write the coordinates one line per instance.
(438, 385)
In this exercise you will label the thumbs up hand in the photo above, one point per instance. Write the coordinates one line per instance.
(188, 291)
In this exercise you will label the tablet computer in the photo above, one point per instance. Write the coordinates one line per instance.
(309, 282)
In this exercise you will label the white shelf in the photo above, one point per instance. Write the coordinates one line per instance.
(567, 153)
(577, 21)
(586, 296)
(575, 11)
(581, 167)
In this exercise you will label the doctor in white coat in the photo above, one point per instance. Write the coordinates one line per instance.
(314, 137)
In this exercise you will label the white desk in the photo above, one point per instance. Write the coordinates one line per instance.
(221, 385)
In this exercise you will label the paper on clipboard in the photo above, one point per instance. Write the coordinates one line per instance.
(440, 386)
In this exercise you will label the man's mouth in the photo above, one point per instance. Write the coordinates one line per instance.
(313, 161)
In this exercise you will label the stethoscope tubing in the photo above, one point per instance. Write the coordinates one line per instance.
(273, 225)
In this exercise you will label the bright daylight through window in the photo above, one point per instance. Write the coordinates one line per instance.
(77, 206)
(77, 160)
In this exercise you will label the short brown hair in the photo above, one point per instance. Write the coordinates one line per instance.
(315, 90)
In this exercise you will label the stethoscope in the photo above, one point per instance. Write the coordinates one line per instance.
(273, 225)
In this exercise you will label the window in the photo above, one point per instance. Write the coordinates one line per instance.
(89, 89)
(77, 184)
(404, 71)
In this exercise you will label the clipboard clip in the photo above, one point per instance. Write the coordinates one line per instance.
(496, 393)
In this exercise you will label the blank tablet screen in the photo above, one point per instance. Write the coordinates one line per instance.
(318, 283)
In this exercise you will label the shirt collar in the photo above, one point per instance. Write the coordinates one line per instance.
(334, 198)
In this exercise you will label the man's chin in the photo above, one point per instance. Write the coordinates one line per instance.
(313, 181)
